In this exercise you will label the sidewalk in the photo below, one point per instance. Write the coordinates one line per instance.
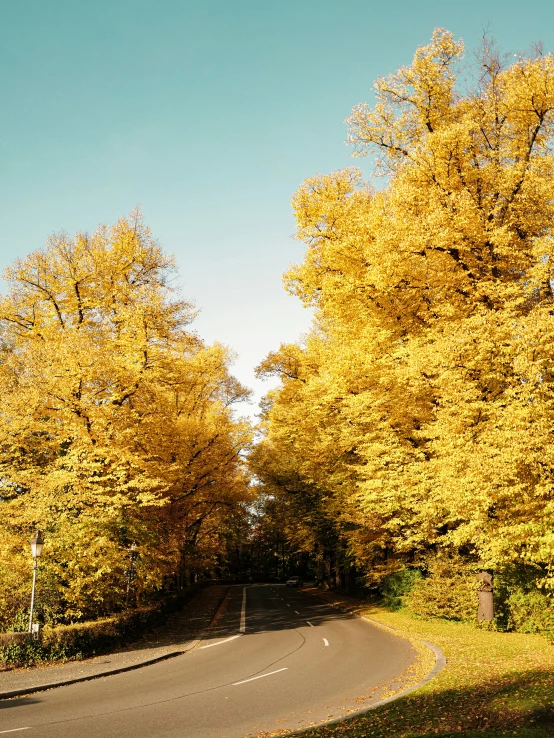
(181, 633)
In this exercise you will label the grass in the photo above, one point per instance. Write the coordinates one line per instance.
(494, 684)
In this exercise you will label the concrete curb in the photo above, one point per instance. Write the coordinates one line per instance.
(90, 677)
(110, 672)
(440, 663)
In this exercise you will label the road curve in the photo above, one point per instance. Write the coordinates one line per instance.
(277, 659)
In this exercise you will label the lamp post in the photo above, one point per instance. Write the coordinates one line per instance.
(37, 542)
(130, 572)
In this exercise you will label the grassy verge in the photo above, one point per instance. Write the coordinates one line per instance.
(494, 684)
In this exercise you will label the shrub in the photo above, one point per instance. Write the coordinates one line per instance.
(520, 604)
(449, 591)
(531, 612)
(68, 642)
(10, 639)
(397, 585)
(21, 651)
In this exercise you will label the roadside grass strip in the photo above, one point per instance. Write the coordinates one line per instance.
(494, 684)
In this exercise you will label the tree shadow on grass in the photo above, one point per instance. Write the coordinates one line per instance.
(521, 704)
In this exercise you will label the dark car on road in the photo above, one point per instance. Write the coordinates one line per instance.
(294, 582)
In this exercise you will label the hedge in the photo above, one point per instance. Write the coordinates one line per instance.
(80, 640)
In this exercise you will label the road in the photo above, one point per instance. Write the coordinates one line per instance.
(276, 659)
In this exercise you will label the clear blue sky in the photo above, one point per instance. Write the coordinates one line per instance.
(208, 116)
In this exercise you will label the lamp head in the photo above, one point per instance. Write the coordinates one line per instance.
(37, 542)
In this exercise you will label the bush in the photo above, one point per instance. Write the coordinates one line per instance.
(10, 639)
(397, 585)
(80, 640)
(67, 642)
(449, 591)
(531, 612)
(21, 651)
(62, 643)
(520, 604)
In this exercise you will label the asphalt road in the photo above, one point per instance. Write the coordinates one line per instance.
(277, 659)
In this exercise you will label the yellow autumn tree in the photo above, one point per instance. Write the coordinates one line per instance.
(116, 423)
(422, 403)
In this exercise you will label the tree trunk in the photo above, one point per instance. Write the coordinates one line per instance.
(485, 611)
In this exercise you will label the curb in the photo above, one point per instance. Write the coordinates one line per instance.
(440, 663)
(76, 680)
(440, 658)
(164, 657)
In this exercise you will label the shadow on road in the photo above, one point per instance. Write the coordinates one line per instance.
(268, 612)
(18, 702)
(221, 606)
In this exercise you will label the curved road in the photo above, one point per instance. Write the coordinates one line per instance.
(277, 659)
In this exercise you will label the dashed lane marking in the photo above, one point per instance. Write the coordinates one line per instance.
(261, 676)
(226, 640)
(326, 641)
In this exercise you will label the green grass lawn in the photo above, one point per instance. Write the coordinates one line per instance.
(494, 684)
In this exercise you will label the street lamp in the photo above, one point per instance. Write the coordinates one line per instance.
(37, 542)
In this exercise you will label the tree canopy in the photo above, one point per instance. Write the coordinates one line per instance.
(117, 423)
(418, 411)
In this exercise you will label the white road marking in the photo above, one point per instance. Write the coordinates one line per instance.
(14, 730)
(297, 613)
(261, 676)
(243, 612)
(231, 638)
(310, 624)
(326, 641)
(288, 604)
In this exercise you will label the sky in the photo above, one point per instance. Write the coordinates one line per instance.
(208, 116)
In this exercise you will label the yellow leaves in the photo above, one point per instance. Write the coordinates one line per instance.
(420, 405)
(116, 422)
(329, 209)
(410, 105)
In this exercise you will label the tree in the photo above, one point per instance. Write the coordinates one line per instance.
(116, 420)
(426, 387)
